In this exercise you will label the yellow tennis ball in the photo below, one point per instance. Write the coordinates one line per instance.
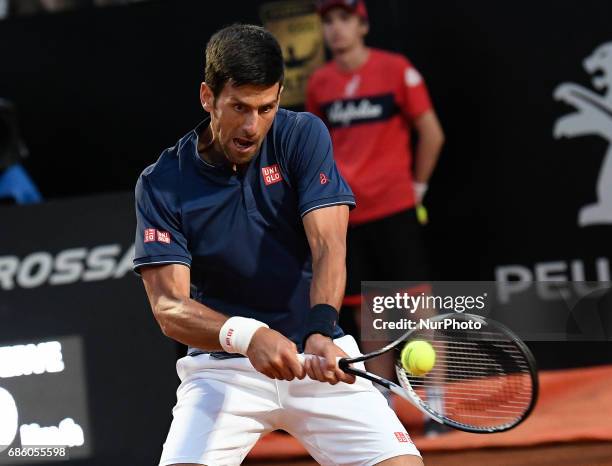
(422, 215)
(418, 357)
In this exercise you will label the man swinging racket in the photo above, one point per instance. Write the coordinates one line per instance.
(241, 246)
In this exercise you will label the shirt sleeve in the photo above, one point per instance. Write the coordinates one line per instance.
(159, 239)
(318, 181)
(413, 94)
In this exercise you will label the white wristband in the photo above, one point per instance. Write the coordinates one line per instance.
(236, 333)
(419, 190)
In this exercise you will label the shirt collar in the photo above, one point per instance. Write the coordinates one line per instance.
(202, 164)
(193, 138)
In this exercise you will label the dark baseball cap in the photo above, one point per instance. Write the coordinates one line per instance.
(354, 6)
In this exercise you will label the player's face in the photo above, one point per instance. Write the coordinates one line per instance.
(343, 30)
(240, 118)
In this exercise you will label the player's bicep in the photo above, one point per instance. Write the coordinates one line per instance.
(326, 229)
(167, 286)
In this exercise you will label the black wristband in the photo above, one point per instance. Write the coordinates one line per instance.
(322, 319)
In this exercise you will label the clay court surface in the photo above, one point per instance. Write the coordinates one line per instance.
(575, 454)
(570, 425)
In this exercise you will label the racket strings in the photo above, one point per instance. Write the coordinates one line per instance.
(483, 378)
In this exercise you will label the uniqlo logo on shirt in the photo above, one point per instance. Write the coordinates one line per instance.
(402, 437)
(150, 235)
(163, 237)
(271, 174)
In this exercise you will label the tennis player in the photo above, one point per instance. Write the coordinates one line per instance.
(240, 242)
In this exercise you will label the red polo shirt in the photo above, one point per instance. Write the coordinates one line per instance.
(369, 112)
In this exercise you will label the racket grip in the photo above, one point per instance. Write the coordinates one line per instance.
(302, 358)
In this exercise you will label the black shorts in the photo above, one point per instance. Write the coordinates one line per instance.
(389, 249)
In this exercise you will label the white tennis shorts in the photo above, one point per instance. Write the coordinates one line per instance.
(224, 406)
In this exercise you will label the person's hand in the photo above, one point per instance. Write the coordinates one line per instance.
(274, 355)
(420, 189)
(325, 368)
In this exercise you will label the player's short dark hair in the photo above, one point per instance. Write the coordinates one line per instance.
(243, 54)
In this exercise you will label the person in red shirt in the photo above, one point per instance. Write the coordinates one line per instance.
(372, 100)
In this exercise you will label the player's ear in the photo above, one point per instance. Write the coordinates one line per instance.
(280, 92)
(206, 97)
(364, 27)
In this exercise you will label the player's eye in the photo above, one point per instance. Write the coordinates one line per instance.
(239, 108)
(266, 109)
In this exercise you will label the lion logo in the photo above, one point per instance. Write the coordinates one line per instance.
(593, 116)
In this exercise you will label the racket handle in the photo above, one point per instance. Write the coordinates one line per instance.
(302, 358)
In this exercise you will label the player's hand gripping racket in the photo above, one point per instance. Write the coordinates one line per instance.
(486, 378)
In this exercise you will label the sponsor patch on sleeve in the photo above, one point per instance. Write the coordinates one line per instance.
(152, 235)
(163, 237)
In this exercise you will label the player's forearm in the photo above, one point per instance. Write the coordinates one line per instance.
(426, 155)
(328, 275)
(190, 323)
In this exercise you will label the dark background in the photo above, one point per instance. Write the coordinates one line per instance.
(100, 92)
(129, 378)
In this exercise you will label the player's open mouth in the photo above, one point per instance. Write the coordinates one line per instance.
(243, 145)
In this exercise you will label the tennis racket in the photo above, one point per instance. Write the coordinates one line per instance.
(484, 377)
